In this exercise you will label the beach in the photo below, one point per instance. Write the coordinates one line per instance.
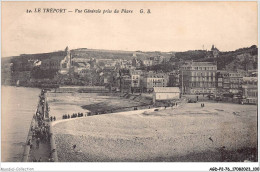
(69, 103)
(216, 133)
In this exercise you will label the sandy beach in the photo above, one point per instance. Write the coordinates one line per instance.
(69, 103)
(217, 132)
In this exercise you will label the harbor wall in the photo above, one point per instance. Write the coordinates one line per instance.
(26, 152)
(52, 151)
(53, 145)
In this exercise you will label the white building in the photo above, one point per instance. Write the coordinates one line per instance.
(166, 93)
(81, 68)
(152, 80)
(148, 62)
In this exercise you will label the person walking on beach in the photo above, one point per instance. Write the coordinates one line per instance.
(54, 118)
(74, 147)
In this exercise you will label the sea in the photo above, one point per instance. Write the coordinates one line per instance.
(18, 104)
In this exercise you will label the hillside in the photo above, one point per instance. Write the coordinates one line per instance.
(115, 54)
(243, 58)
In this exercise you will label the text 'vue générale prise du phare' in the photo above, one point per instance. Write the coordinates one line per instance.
(101, 11)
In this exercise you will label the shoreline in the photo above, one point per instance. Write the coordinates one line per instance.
(144, 111)
(95, 103)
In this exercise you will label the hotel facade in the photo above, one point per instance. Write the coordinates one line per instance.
(198, 77)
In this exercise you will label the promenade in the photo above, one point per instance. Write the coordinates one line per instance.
(38, 144)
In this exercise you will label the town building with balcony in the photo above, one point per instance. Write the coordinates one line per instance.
(152, 79)
(198, 77)
(250, 90)
(229, 82)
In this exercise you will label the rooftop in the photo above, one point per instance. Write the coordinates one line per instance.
(200, 64)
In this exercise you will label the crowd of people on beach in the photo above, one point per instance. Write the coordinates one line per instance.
(74, 115)
(52, 118)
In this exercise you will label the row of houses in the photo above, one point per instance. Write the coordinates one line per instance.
(197, 78)
(143, 81)
(191, 78)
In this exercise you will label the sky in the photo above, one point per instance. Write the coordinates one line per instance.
(171, 26)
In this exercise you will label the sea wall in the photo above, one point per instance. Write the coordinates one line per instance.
(53, 145)
(26, 152)
(45, 153)
(82, 89)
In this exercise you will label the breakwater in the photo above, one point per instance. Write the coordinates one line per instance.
(40, 145)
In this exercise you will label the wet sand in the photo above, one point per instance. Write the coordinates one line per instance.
(217, 132)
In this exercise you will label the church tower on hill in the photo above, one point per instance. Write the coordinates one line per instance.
(65, 64)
